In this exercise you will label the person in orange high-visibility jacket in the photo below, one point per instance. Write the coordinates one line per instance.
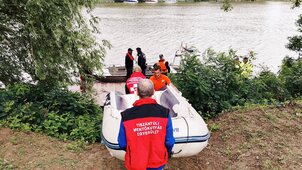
(159, 80)
(164, 65)
(146, 131)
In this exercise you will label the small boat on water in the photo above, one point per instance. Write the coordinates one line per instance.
(189, 129)
(170, 1)
(151, 1)
(131, 1)
(113, 78)
(118, 74)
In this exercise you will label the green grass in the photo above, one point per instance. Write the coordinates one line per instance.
(77, 146)
(214, 127)
(5, 165)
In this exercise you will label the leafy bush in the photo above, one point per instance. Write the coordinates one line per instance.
(291, 76)
(266, 87)
(214, 83)
(51, 110)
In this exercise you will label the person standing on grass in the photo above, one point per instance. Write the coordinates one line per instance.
(247, 68)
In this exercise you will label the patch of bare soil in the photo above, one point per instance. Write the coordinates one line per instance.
(257, 138)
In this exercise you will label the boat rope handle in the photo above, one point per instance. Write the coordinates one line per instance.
(188, 130)
(173, 153)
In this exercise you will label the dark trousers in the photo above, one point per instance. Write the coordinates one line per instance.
(144, 72)
(126, 89)
(129, 72)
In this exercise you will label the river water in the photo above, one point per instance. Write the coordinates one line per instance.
(160, 28)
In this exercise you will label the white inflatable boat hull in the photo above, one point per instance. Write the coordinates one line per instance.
(190, 131)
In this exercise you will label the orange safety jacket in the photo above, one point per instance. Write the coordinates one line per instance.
(162, 64)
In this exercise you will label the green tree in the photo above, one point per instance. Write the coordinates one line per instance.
(295, 42)
(48, 40)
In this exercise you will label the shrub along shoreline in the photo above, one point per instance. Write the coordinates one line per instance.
(215, 83)
(212, 85)
(54, 111)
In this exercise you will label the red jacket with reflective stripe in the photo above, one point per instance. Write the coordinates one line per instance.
(132, 82)
(145, 128)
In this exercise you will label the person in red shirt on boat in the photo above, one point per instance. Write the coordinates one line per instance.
(159, 80)
(129, 62)
(132, 82)
(146, 132)
(164, 65)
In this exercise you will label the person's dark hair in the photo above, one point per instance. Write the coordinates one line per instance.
(145, 88)
(138, 49)
(130, 49)
(156, 67)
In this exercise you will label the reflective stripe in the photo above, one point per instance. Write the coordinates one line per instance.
(110, 145)
(178, 140)
(192, 139)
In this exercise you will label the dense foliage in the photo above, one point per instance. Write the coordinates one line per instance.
(295, 42)
(51, 110)
(291, 69)
(215, 82)
(291, 76)
(47, 40)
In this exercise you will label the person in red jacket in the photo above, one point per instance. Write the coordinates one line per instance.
(132, 82)
(146, 132)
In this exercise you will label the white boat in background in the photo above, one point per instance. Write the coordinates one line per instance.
(151, 1)
(189, 129)
(131, 1)
(170, 1)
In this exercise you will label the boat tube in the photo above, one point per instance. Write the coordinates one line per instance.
(190, 131)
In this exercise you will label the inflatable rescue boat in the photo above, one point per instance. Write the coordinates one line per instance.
(190, 131)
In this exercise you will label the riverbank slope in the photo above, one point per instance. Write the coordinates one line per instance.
(255, 137)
